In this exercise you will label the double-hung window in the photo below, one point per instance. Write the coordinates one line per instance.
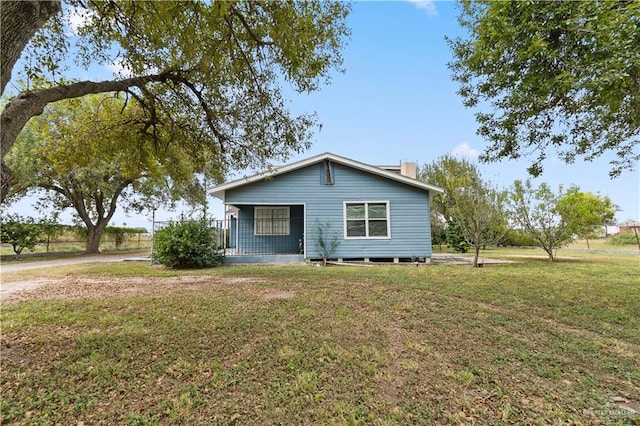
(271, 220)
(366, 219)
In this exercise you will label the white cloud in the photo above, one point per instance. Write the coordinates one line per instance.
(78, 18)
(427, 5)
(464, 150)
(119, 69)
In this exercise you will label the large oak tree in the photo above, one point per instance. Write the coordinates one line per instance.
(214, 69)
(557, 77)
(91, 155)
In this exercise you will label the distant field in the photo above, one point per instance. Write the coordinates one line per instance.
(521, 343)
(70, 244)
(73, 246)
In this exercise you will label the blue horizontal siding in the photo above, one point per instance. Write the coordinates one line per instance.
(264, 258)
(409, 208)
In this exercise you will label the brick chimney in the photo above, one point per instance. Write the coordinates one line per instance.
(408, 169)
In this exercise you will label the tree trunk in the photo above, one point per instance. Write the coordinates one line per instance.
(476, 255)
(588, 246)
(19, 21)
(550, 254)
(6, 180)
(94, 235)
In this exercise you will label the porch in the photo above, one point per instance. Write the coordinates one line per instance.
(262, 234)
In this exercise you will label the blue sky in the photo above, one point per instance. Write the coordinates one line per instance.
(396, 102)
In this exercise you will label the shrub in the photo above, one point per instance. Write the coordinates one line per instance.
(326, 241)
(50, 230)
(622, 239)
(438, 237)
(519, 238)
(455, 239)
(79, 232)
(187, 244)
(119, 234)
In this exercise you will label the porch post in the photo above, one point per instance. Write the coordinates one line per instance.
(304, 230)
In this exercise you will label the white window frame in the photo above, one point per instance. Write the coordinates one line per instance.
(264, 208)
(366, 220)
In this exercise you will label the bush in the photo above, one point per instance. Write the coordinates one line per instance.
(455, 238)
(622, 239)
(518, 238)
(187, 244)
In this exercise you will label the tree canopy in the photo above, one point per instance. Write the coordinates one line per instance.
(538, 212)
(91, 154)
(471, 206)
(449, 173)
(212, 70)
(586, 212)
(553, 76)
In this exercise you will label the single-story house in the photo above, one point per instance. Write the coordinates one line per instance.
(327, 206)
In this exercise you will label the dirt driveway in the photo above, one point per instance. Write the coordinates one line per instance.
(9, 288)
(25, 265)
(70, 288)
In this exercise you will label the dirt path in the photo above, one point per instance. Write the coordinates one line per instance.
(9, 288)
(25, 265)
(73, 288)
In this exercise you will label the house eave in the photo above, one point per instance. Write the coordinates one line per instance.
(219, 190)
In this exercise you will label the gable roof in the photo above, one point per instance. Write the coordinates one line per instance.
(219, 190)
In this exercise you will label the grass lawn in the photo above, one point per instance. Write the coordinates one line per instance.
(521, 343)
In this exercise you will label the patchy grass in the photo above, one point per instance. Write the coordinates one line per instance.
(525, 343)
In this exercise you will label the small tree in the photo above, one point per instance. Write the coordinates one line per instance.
(478, 211)
(118, 233)
(586, 212)
(50, 229)
(187, 244)
(536, 211)
(326, 242)
(470, 207)
(450, 173)
(20, 232)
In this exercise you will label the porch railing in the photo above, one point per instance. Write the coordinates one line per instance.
(261, 236)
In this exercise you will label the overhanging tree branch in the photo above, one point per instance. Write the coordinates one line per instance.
(31, 103)
(259, 42)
